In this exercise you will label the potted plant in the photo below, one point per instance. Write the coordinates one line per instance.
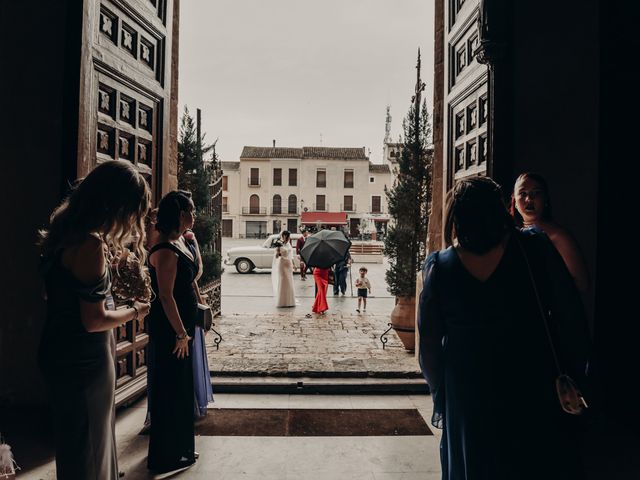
(409, 200)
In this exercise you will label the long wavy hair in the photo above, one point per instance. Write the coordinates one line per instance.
(112, 201)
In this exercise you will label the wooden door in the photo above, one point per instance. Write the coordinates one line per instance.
(227, 228)
(125, 115)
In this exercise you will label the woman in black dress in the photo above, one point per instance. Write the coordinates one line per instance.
(484, 349)
(173, 268)
(77, 348)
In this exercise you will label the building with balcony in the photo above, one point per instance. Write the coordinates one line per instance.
(276, 188)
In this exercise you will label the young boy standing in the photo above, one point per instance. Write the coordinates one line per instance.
(363, 285)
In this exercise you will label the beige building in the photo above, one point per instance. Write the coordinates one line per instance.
(276, 188)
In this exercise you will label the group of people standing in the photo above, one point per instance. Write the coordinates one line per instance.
(484, 348)
(88, 233)
(282, 276)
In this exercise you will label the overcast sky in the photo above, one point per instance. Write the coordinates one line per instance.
(302, 72)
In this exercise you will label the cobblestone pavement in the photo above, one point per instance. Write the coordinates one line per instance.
(260, 339)
(291, 344)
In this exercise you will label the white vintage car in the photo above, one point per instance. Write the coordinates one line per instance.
(246, 259)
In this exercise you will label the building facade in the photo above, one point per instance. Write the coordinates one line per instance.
(279, 188)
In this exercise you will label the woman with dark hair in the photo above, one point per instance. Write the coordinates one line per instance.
(282, 272)
(484, 349)
(531, 209)
(173, 267)
(87, 231)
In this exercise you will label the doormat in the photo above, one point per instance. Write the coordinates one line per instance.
(311, 422)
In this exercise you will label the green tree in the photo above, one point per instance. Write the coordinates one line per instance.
(409, 200)
(196, 175)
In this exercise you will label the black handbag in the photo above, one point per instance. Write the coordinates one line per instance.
(569, 395)
(204, 320)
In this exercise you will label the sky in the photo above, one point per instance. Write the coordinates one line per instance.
(302, 72)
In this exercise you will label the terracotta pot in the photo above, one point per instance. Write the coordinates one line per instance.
(403, 321)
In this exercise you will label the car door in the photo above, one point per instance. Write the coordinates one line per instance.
(268, 250)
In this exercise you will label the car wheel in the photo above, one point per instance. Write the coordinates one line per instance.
(244, 265)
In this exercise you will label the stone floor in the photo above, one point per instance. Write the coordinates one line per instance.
(260, 339)
(292, 344)
(282, 458)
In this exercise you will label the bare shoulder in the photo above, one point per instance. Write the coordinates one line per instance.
(561, 237)
(163, 257)
(87, 260)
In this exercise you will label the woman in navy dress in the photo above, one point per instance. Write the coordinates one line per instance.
(483, 347)
(173, 267)
(77, 348)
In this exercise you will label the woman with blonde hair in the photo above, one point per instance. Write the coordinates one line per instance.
(87, 231)
(531, 209)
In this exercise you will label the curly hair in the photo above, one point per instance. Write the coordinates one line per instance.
(112, 200)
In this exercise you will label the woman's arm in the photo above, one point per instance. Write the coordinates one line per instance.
(89, 267)
(431, 329)
(165, 262)
(573, 259)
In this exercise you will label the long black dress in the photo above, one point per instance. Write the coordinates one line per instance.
(79, 370)
(490, 368)
(171, 437)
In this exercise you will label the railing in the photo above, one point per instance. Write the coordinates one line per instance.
(292, 210)
(254, 210)
(316, 207)
(254, 182)
(348, 208)
(276, 211)
(373, 209)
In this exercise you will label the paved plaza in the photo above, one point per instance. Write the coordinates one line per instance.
(260, 339)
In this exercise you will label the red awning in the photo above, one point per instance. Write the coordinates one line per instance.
(324, 218)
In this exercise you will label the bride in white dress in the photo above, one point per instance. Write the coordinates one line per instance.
(282, 273)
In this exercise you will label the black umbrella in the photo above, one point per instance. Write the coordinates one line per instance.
(325, 248)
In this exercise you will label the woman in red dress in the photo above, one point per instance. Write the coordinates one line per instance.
(321, 277)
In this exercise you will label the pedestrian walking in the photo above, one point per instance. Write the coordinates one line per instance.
(299, 245)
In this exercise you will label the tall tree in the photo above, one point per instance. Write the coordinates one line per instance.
(409, 199)
(195, 175)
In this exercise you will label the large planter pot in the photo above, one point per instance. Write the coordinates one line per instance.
(403, 321)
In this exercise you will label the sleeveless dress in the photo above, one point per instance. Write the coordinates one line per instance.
(79, 370)
(490, 366)
(171, 436)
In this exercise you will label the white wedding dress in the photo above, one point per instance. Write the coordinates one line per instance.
(282, 277)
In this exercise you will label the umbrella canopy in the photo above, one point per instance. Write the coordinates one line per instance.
(325, 248)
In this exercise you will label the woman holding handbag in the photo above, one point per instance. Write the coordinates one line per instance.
(174, 268)
(488, 351)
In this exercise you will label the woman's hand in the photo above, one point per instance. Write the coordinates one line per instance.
(182, 346)
(142, 308)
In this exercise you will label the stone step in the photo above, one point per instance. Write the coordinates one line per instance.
(323, 385)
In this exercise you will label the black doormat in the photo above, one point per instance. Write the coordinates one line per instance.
(311, 422)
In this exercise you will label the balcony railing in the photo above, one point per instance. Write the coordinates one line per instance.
(254, 182)
(276, 211)
(376, 209)
(254, 210)
(348, 208)
(292, 210)
(317, 207)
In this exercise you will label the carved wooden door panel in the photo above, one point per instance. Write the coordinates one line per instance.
(466, 119)
(124, 116)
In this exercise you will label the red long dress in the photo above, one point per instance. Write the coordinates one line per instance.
(321, 277)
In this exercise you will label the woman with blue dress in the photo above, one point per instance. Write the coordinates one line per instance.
(92, 225)
(484, 349)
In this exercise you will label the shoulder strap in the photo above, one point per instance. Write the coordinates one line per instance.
(540, 307)
(160, 246)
